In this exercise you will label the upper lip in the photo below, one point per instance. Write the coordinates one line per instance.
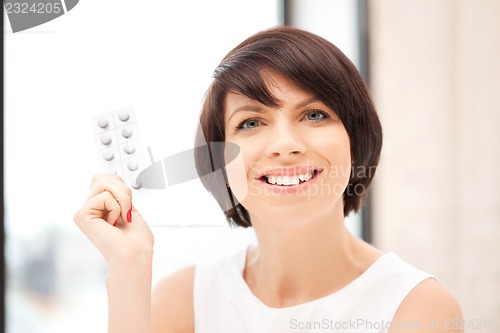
(290, 171)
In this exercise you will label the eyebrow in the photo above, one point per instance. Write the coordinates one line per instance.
(259, 109)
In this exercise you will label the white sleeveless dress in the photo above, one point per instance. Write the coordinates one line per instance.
(223, 302)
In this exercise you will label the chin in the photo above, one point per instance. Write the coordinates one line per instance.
(285, 215)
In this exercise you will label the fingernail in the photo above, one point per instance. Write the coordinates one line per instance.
(114, 224)
(129, 215)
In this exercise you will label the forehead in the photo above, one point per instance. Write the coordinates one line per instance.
(281, 88)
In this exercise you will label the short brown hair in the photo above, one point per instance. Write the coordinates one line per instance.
(316, 66)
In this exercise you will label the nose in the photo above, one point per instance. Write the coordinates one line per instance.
(285, 141)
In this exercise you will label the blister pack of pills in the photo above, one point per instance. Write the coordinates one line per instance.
(118, 146)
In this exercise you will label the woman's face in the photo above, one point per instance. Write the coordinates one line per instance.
(296, 156)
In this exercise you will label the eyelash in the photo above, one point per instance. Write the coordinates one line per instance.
(240, 127)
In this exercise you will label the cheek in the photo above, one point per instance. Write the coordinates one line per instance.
(237, 174)
(337, 152)
(340, 156)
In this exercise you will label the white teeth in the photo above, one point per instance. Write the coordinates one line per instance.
(286, 180)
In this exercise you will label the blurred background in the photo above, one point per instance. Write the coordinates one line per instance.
(432, 66)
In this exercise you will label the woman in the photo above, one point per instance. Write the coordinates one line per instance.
(310, 141)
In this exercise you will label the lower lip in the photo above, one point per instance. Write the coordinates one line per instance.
(291, 189)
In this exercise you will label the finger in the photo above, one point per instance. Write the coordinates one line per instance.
(111, 206)
(97, 177)
(102, 182)
(104, 207)
(120, 191)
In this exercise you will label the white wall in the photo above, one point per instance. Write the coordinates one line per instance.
(435, 76)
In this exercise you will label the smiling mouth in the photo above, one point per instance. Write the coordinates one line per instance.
(289, 180)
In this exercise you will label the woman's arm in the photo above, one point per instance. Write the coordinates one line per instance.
(428, 308)
(129, 296)
(172, 303)
(124, 239)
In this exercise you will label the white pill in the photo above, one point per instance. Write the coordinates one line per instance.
(102, 123)
(105, 139)
(127, 133)
(129, 148)
(132, 165)
(136, 185)
(108, 155)
(123, 116)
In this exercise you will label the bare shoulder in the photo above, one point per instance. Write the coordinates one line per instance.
(429, 307)
(172, 308)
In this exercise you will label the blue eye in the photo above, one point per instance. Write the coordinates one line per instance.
(316, 115)
(248, 125)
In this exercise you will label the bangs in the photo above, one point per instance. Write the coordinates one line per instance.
(248, 79)
(310, 63)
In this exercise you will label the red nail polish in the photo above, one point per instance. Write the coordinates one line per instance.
(129, 215)
(114, 224)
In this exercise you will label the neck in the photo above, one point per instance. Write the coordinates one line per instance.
(297, 264)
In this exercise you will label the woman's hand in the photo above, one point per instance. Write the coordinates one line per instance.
(110, 221)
